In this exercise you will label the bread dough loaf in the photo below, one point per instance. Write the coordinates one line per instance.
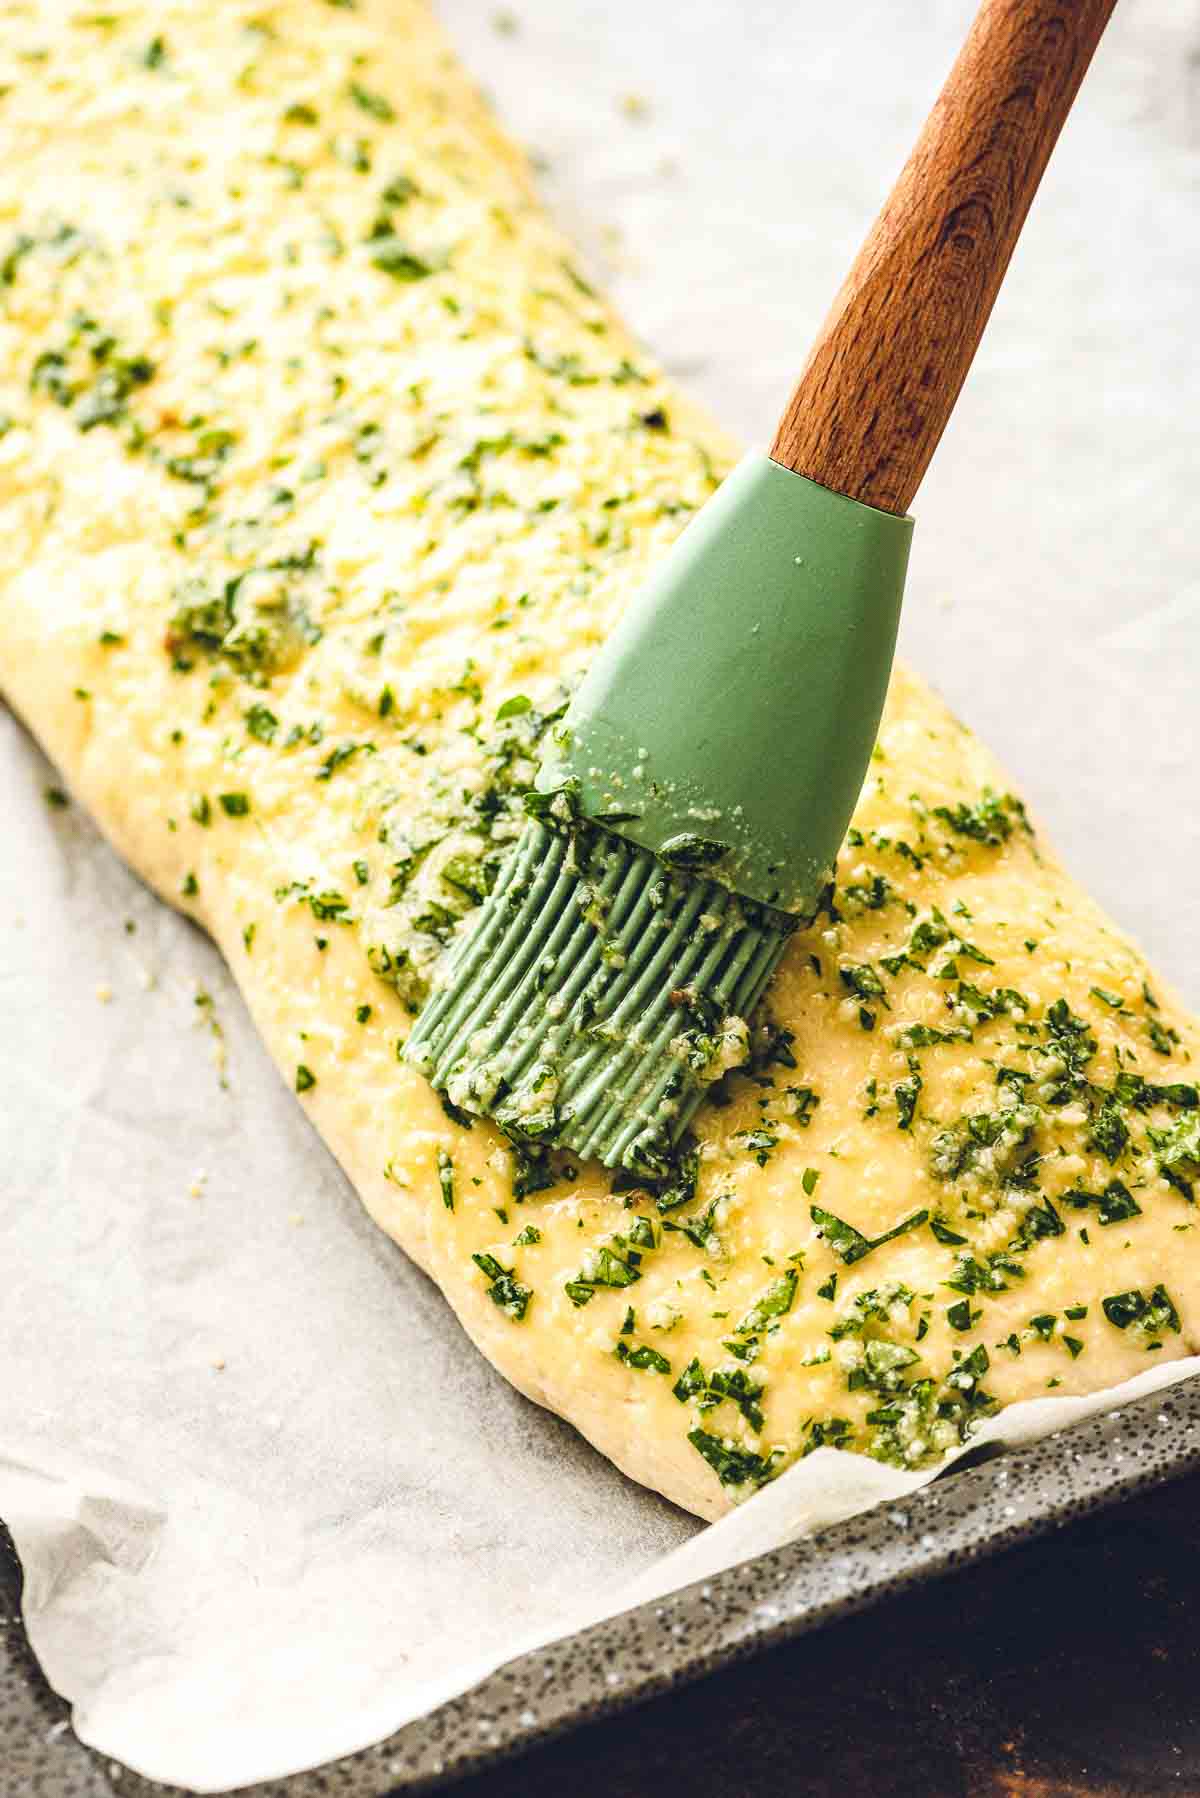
(322, 474)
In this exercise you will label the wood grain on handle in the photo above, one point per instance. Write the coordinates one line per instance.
(882, 378)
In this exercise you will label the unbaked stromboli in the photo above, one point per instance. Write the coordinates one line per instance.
(322, 469)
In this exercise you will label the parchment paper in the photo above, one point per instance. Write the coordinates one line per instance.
(269, 1501)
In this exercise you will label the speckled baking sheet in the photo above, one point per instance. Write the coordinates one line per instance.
(971, 1513)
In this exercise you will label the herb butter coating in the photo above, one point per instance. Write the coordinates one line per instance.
(323, 473)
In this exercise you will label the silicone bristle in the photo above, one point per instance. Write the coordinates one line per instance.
(592, 1002)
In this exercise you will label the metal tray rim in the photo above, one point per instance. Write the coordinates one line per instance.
(1012, 1496)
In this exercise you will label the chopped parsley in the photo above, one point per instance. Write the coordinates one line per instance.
(644, 1357)
(377, 105)
(504, 1289)
(262, 723)
(1149, 1314)
(733, 1466)
(774, 1302)
(603, 1267)
(851, 1245)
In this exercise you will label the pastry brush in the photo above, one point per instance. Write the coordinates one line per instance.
(689, 810)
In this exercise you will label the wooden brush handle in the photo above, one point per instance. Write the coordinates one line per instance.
(882, 378)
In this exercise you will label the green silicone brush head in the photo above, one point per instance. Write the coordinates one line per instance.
(592, 1004)
(687, 817)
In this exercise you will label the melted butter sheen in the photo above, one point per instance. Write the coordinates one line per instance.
(322, 473)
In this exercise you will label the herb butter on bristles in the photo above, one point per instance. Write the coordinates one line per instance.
(322, 475)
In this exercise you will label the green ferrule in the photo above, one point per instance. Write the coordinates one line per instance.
(728, 722)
